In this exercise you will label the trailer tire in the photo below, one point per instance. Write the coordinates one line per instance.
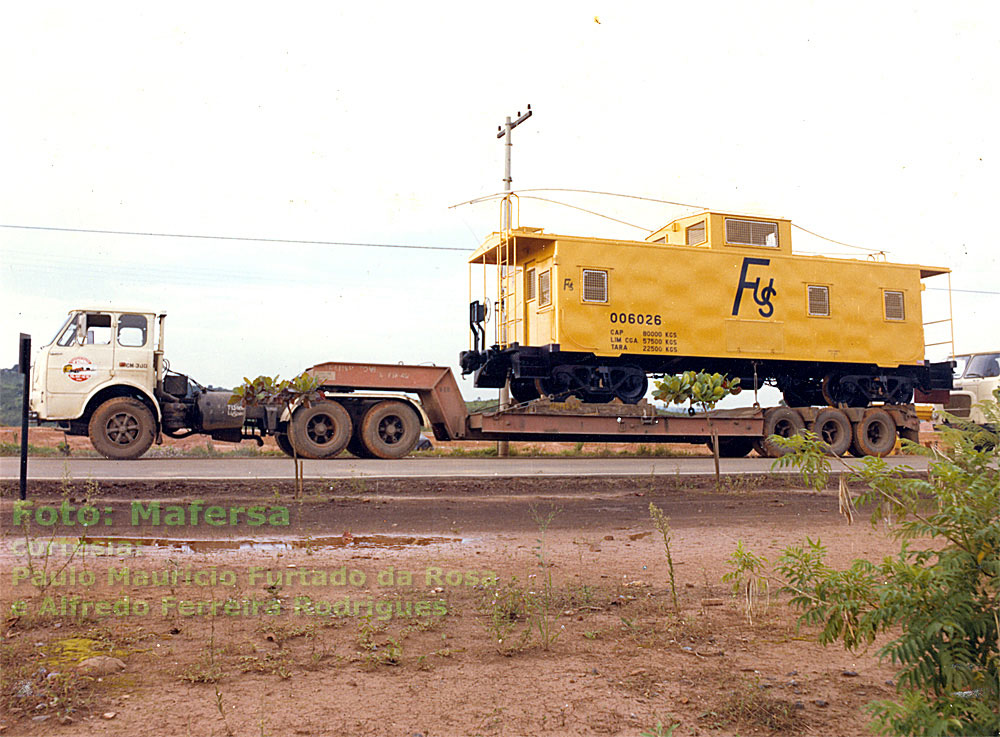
(875, 434)
(783, 422)
(390, 430)
(834, 429)
(356, 448)
(122, 429)
(281, 438)
(733, 447)
(320, 430)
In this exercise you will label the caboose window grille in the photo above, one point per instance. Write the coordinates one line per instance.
(895, 308)
(544, 288)
(751, 232)
(695, 234)
(819, 300)
(529, 284)
(595, 285)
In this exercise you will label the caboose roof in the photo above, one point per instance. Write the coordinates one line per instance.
(531, 239)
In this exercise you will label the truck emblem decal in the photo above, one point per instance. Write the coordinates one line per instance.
(761, 296)
(79, 368)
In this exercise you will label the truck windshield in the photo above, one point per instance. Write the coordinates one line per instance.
(67, 333)
(983, 366)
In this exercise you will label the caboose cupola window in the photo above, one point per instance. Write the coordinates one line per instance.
(751, 233)
(595, 285)
(695, 234)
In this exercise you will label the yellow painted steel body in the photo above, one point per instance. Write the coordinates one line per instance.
(719, 298)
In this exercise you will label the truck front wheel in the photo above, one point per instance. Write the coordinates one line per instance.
(122, 429)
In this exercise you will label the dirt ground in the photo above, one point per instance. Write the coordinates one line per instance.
(532, 606)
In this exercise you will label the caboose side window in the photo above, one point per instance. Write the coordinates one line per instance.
(895, 308)
(818, 297)
(529, 284)
(751, 233)
(595, 285)
(695, 234)
(544, 288)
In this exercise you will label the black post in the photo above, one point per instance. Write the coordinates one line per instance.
(24, 367)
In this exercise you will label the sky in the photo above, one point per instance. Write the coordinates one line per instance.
(873, 124)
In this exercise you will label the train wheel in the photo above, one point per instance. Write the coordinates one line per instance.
(628, 383)
(122, 429)
(390, 429)
(801, 393)
(523, 390)
(281, 438)
(568, 380)
(320, 430)
(783, 422)
(834, 429)
(875, 435)
(838, 391)
(734, 447)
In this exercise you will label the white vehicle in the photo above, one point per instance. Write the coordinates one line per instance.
(104, 375)
(977, 375)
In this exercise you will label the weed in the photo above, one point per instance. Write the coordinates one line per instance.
(270, 663)
(504, 605)
(541, 602)
(751, 707)
(661, 729)
(748, 578)
(662, 523)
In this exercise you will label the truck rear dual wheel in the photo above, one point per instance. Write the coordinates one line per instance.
(320, 430)
(122, 429)
(388, 430)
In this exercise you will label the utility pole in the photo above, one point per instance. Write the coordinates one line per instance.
(503, 446)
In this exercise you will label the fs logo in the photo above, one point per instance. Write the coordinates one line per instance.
(761, 296)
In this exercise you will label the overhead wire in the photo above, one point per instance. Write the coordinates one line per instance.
(249, 239)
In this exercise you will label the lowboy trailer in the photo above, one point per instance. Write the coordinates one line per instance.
(860, 431)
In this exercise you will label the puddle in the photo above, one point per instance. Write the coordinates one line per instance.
(129, 545)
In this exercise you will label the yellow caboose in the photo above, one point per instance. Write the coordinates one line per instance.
(714, 291)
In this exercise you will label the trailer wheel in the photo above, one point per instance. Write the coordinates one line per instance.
(390, 429)
(733, 447)
(875, 435)
(783, 422)
(122, 429)
(356, 448)
(281, 438)
(320, 430)
(834, 429)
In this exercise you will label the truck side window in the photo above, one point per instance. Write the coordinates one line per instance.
(98, 329)
(68, 335)
(132, 331)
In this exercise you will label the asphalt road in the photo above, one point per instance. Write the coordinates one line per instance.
(348, 467)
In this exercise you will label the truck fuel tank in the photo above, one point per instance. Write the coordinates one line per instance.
(217, 414)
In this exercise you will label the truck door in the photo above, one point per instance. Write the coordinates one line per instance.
(81, 359)
(133, 350)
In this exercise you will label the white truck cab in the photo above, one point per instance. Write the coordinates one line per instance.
(103, 366)
(977, 375)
